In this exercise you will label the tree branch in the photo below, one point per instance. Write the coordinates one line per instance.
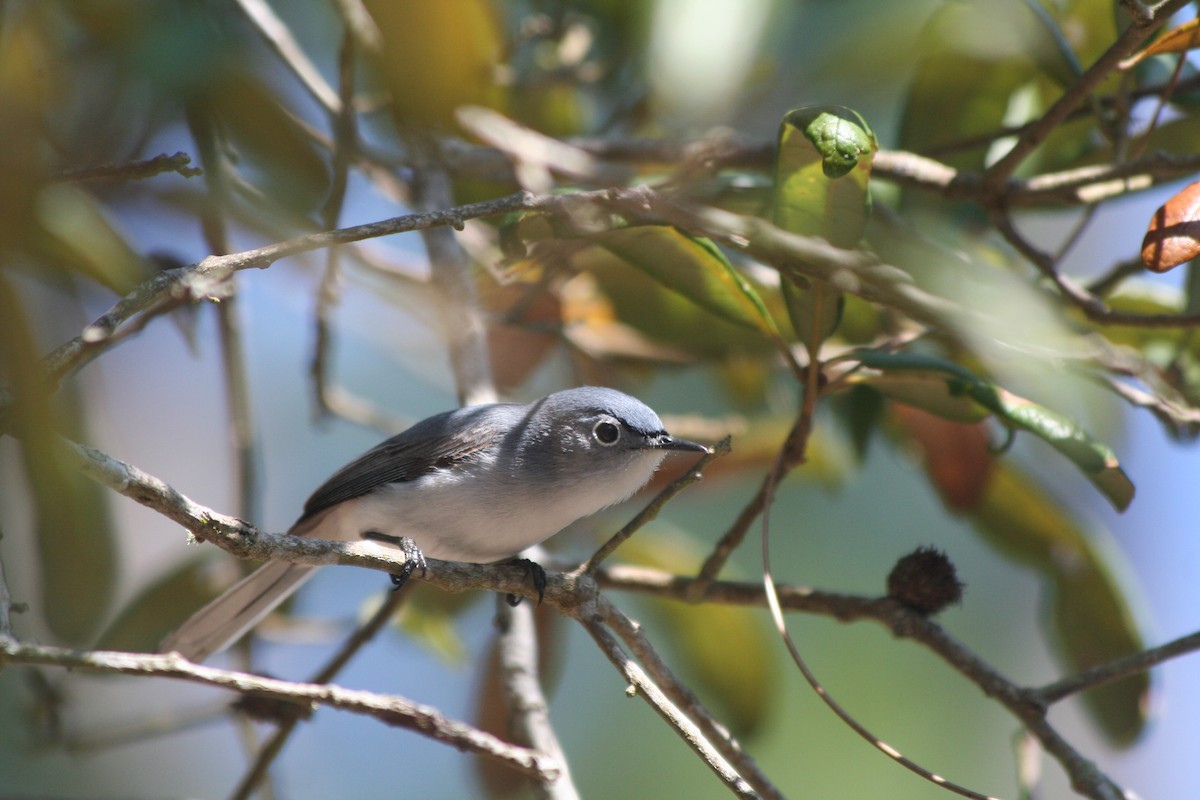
(1129, 40)
(641, 684)
(389, 709)
(527, 704)
(683, 697)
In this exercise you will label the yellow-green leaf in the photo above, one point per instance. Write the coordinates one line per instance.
(1091, 615)
(160, 608)
(822, 168)
(427, 79)
(695, 268)
(928, 392)
(273, 150)
(75, 542)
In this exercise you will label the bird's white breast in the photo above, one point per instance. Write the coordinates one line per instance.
(467, 515)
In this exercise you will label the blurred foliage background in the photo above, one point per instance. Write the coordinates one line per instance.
(140, 137)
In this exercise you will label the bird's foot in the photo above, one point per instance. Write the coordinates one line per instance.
(535, 573)
(413, 557)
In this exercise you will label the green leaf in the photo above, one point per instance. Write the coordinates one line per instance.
(663, 316)
(75, 541)
(840, 136)
(822, 168)
(695, 268)
(859, 411)
(160, 608)
(929, 392)
(967, 70)
(272, 149)
(77, 233)
(1091, 616)
(1096, 459)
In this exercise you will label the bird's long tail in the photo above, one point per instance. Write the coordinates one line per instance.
(227, 618)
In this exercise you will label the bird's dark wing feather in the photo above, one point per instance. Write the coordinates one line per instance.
(428, 445)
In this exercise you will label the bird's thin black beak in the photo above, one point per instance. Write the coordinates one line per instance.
(665, 442)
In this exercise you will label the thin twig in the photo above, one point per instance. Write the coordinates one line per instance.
(1025, 704)
(683, 697)
(821, 692)
(565, 592)
(279, 38)
(1117, 668)
(641, 684)
(1128, 41)
(6, 603)
(787, 459)
(1091, 305)
(203, 279)
(345, 147)
(242, 431)
(271, 748)
(179, 162)
(462, 321)
(878, 282)
(652, 509)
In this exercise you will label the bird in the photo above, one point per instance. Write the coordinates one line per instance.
(477, 484)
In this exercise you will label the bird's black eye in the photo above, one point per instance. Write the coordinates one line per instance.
(606, 433)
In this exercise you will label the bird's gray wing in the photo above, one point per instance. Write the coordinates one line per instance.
(436, 442)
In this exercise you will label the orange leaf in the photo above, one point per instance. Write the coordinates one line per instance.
(1173, 237)
(1179, 40)
(956, 456)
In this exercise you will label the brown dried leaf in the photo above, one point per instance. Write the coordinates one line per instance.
(1173, 237)
(956, 455)
(1177, 40)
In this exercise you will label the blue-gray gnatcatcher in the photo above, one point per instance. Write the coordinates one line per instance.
(478, 484)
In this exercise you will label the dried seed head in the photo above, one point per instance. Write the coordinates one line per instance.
(925, 581)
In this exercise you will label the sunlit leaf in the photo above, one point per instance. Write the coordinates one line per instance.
(695, 268)
(968, 67)
(841, 139)
(822, 171)
(929, 392)
(1177, 40)
(426, 79)
(609, 291)
(79, 235)
(1091, 615)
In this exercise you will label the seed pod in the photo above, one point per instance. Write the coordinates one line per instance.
(925, 580)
